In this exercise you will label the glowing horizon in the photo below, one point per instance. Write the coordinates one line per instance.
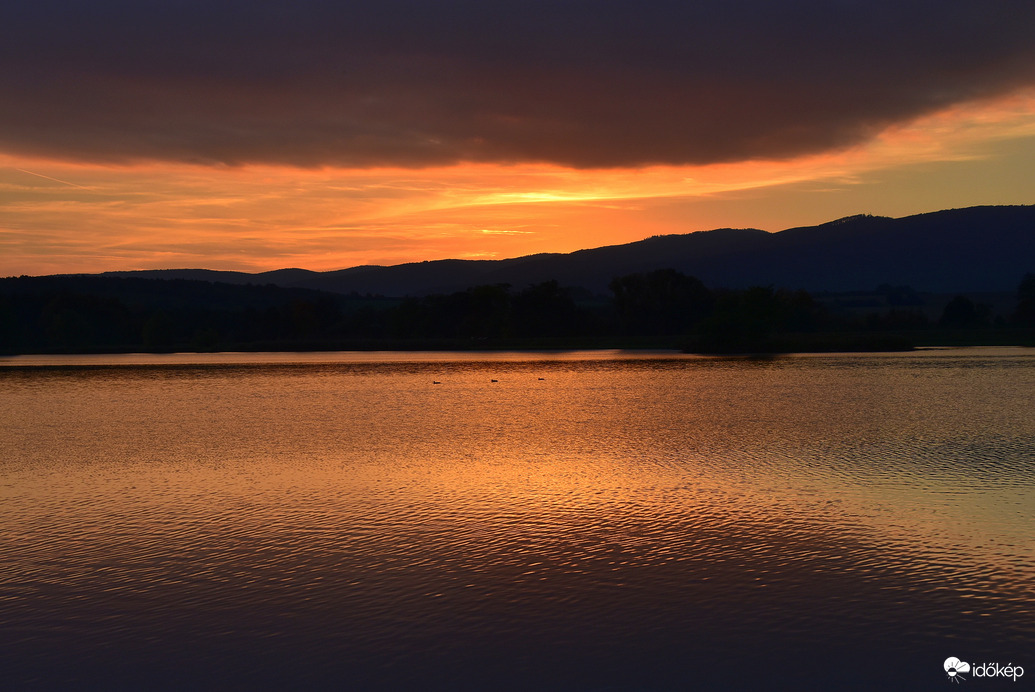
(64, 216)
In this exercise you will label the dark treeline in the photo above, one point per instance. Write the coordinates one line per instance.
(84, 314)
(87, 314)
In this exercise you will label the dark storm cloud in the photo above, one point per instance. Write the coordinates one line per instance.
(422, 83)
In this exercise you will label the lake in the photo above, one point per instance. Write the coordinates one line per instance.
(486, 521)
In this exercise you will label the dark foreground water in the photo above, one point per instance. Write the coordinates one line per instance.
(533, 521)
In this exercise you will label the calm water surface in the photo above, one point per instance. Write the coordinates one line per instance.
(586, 521)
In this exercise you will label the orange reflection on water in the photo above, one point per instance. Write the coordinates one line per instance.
(349, 509)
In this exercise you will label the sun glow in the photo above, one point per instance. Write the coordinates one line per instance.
(62, 216)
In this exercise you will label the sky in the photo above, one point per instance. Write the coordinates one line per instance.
(261, 135)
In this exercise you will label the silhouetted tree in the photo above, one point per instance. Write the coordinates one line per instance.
(487, 311)
(743, 321)
(797, 311)
(660, 302)
(157, 332)
(962, 313)
(1024, 313)
(544, 309)
(409, 319)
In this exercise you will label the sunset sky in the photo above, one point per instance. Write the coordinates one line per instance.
(260, 135)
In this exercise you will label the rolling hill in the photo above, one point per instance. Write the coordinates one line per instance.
(977, 249)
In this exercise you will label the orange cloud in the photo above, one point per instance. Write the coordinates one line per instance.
(58, 216)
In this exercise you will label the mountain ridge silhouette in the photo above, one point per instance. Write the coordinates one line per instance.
(983, 248)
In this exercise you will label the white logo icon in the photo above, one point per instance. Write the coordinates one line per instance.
(953, 667)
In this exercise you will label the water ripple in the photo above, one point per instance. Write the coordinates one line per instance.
(619, 523)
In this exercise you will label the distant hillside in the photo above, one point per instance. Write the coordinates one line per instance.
(978, 249)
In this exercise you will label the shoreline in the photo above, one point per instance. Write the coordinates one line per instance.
(301, 358)
(769, 344)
